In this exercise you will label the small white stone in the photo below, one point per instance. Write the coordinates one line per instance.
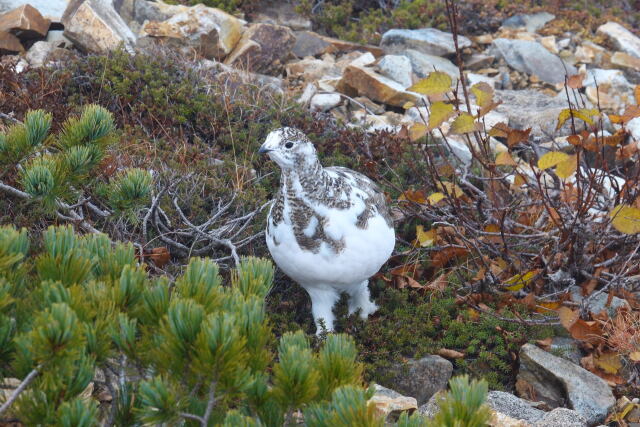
(325, 101)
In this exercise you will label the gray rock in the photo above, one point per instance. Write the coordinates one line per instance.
(309, 43)
(567, 348)
(391, 403)
(325, 101)
(513, 406)
(562, 417)
(478, 61)
(634, 128)
(532, 22)
(621, 38)
(58, 39)
(559, 382)
(38, 53)
(598, 303)
(532, 58)
(421, 378)
(397, 68)
(432, 407)
(614, 78)
(532, 109)
(423, 64)
(263, 48)
(425, 40)
(281, 13)
(94, 25)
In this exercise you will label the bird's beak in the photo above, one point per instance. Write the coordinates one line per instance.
(263, 150)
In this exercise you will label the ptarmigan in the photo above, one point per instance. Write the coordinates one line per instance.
(329, 229)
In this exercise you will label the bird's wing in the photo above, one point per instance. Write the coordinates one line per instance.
(374, 194)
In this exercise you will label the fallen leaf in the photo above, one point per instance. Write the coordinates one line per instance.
(608, 362)
(416, 196)
(519, 281)
(545, 344)
(435, 198)
(568, 317)
(575, 81)
(426, 238)
(634, 356)
(636, 92)
(505, 159)
(450, 354)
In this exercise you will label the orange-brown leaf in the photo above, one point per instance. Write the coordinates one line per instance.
(516, 136)
(160, 256)
(575, 81)
(568, 317)
(450, 354)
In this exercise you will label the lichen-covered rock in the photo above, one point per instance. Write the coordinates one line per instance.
(421, 378)
(532, 58)
(397, 68)
(212, 32)
(513, 406)
(426, 40)
(391, 404)
(531, 22)
(25, 22)
(559, 382)
(366, 82)
(263, 48)
(309, 43)
(95, 26)
(423, 64)
(562, 417)
(621, 38)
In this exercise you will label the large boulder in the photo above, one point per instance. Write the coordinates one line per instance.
(513, 406)
(9, 44)
(25, 22)
(532, 109)
(425, 40)
(562, 417)
(390, 404)
(211, 32)
(397, 68)
(558, 382)
(532, 58)
(95, 26)
(621, 38)
(423, 64)
(530, 22)
(263, 48)
(421, 378)
(366, 82)
(145, 10)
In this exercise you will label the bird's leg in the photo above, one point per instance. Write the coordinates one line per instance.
(322, 302)
(359, 298)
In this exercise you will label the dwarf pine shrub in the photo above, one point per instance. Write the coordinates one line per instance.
(55, 170)
(81, 311)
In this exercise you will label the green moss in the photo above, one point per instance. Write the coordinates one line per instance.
(412, 324)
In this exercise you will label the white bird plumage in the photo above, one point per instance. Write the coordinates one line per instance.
(329, 229)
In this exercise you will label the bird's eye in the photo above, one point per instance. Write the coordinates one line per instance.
(288, 144)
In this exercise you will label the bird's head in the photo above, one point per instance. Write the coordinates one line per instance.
(289, 148)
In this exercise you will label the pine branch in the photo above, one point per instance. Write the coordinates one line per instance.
(22, 387)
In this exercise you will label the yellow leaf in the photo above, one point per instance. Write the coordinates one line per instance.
(584, 114)
(609, 362)
(483, 93)
(505, 159)
(417, 131)
(568, 317)
(551, 159)
(435, 198)
(567, 167)
(635, 356)
(519, 281)
(426, 238)
(435, 83)
(408, 105)
(626, 219)
(464, 123)
(440, 112)
(451, 188)
(636, 92)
